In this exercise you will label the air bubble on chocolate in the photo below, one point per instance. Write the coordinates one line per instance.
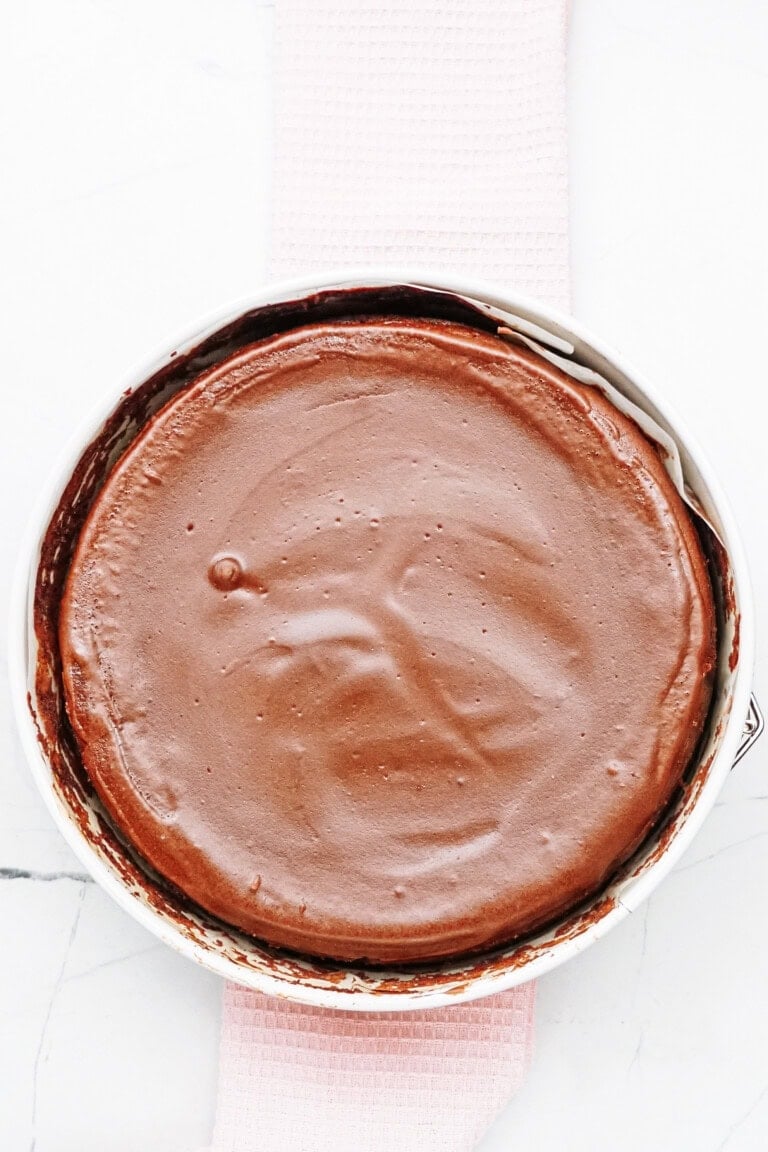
(225, 573)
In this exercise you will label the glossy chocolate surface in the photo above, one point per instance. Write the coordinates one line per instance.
(387, 640)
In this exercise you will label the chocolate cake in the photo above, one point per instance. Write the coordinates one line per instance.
(386, 640)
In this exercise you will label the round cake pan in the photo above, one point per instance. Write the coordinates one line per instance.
(80, 816)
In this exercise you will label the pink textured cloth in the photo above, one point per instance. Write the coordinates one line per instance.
(297, 1079)
(427, 132)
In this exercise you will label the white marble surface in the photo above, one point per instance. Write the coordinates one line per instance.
(135, 142)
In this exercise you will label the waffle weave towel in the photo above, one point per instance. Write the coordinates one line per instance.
(423, 131)
(428, 132)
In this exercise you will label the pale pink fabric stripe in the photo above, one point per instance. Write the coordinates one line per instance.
(296, 1079)
(428, 132)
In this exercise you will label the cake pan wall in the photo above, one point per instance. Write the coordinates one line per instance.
(235, 956)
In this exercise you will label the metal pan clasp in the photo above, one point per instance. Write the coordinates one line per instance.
(753, 727)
